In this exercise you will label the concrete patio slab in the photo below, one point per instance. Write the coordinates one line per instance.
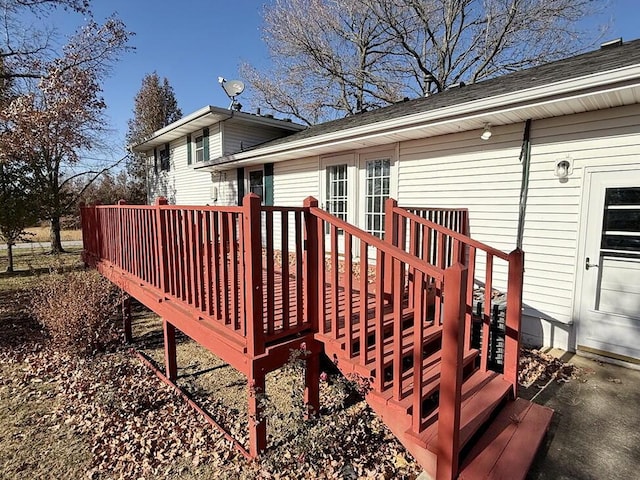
(595, 432)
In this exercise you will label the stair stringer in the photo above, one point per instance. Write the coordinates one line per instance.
(396, 420)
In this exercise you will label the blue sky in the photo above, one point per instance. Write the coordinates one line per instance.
(192, 42)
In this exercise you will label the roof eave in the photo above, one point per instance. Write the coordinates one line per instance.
(475, 109)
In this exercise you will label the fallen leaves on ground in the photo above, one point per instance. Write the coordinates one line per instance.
(540, 367)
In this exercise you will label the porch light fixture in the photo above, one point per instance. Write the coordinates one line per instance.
(563, 168)
(486, 133)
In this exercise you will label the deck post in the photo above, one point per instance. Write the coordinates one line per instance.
(513, 318)
(310, 273)
(161, 244)
(312, 380)
(455, 281)
(257, 423)
(170, 360)
(390, 236)
(126, 318)
(251, 226)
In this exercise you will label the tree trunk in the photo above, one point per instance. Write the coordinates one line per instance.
(10, 257)
(56, 243)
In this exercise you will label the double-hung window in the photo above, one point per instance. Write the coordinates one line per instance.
(200, 148)
(377, 188)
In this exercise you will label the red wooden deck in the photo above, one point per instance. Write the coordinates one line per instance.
(250, 283)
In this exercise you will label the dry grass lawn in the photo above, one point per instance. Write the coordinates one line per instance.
(42, 234)
(110, 417)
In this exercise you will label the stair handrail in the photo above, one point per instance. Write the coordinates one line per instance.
(389, 249)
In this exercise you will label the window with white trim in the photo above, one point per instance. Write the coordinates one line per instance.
(200, 148)
(256, 183)
(377, 190)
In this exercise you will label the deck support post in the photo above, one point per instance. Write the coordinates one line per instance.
(513, 318)
(455, 281)
(170, 361)
(312, 383)
(126, 318)
(257, 422)
(390, 236)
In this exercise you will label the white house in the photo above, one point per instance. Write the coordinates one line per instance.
(576, 169)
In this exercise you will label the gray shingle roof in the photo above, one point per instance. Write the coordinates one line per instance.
(601, 60)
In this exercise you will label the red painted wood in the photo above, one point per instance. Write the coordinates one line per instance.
(418, 337)
(170, 362)
(285, 268)
(256, 388)
(404, 212)
(321, 271)
(253, 275)
(397, 294)
(334, 280)
(486, 314)
(451, 377)
(364, 293)
(299, 267)
(507, 449)
(224, 268)
(270, 287)
(348, 292)
(513, 318)
(468, 319)
(161, 239)
(379, 319)
(311, 270)
(215, 264)
(233, 258)
(390, 236)
(208, 253)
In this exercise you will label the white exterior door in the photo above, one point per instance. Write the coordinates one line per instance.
(339, 189)
(609, 306)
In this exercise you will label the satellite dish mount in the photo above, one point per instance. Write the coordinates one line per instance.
(232, 88)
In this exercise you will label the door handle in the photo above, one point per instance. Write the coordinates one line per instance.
(588, 265)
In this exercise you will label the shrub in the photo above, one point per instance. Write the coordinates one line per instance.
(77, 310)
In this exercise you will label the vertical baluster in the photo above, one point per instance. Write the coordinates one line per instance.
(334, 281)
(418, 339)
(379, 320)
(486, 316)
(348, 293)
(468, 320)
(224, 269)
(299, 261)
(364, 301)
(284, 222)
(206, 238)
(233, 269)
(216, 277)
(398, 288)
(270, 270)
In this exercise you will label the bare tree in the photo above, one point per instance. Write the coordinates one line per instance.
(54, 125)
(155, 106)
(329, 59)
(26, 43)
(336, 57)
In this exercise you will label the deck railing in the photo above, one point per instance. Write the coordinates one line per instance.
(218, 262)
(444, 247)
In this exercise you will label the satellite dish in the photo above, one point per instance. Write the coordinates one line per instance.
(232, 88)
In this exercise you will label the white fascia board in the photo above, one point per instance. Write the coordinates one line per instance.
(455, 112)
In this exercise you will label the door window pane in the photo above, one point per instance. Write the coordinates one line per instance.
(377, 180)
(621, 219)
(256, 183)
(337, 192)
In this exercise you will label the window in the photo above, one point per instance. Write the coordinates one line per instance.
(256, 183)
(337, 193)
(200, 148)
(377, 181)
(164, 159)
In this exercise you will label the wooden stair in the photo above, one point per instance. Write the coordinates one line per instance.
(499, 437)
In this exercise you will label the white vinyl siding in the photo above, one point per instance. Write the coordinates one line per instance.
(237, 137)
(462, 171)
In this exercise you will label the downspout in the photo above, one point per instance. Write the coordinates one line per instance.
(525, 159)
